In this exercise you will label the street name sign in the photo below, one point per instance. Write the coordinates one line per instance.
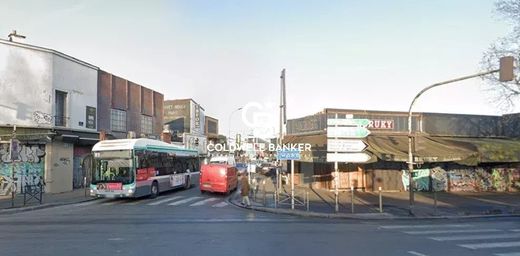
(347, 132)
(349, 122)
(348, 157)
(288, 155)
(345, 145)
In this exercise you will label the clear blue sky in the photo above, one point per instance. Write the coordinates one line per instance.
(373, 55)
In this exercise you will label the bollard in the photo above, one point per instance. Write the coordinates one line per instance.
(85, 185)
(352, 199)
(434, 202)
(265, 193)
(380, 201)
(307, 200)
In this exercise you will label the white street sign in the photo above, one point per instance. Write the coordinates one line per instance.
(345, 145)
(348, 157)
(347, 132)
(348, 122)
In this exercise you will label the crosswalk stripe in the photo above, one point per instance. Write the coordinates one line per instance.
(491, 245)
(427, 232)
(165, 200)
(426, 226)
(220, 205)
(515, 230)
(508, 254)
(475, 237)
(189, 199)
(199, 203)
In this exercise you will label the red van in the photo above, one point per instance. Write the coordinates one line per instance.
(218, 178)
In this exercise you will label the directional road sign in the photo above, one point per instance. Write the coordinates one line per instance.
(348, 122)
(347, 132)
(345, 145)
(348, 157)
(288, 155)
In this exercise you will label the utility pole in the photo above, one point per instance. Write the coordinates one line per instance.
(506, 73)
(13, 151)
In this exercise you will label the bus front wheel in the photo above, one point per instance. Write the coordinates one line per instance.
(154, 191)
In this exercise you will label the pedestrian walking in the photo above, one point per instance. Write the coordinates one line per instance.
(244, 190)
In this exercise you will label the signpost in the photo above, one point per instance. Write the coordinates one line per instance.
(289, 155)
(344, 145)
(347, 132)
(348, 157)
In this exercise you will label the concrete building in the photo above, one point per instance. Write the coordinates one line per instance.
(453, 152)
(127, 109)
(60, 105)
(49, 96)
(186, 121)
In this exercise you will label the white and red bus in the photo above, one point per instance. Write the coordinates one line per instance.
(140, 167)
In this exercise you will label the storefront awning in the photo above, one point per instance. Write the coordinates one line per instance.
(426, 149)
(488, 150)
(395, 148)
(80, 138)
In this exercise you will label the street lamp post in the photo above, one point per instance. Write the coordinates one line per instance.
(229, 130)
(506, 74)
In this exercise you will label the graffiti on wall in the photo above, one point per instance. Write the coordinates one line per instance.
(28, 171)
(469, 179)
(41, 118)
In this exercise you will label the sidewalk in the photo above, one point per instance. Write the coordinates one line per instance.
(49, 200)
(395, 204)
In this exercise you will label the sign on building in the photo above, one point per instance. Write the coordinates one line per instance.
(283, 155)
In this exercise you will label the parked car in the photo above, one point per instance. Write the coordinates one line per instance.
(268, 169)
(220, 178)
(241, 168)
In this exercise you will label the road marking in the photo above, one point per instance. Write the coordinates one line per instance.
(113, 202)
(416, 253)
(189, 199)
(199, 203)
(165, 200)
(427, 232)
(426, 226)
(491, 245)
(508, 254)
(514, 230)
(220, 205)
(475, 237)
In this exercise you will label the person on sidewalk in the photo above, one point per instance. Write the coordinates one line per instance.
(244, 190)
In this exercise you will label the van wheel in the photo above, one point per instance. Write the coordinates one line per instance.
(154, 191)
(187, 185)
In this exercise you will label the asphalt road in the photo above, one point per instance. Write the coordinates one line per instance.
(185, 222)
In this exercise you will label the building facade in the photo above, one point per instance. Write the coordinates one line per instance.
(452, 152)
(59, 106)
(51, 98)
(186, 121)
(127, 109)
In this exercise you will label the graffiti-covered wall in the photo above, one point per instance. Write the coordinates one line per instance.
(29, 170)
(468, 179)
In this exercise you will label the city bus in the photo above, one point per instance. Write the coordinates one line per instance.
(140, 167)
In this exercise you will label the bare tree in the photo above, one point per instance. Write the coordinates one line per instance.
(505, 95)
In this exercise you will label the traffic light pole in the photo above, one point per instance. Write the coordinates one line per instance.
(506, 74)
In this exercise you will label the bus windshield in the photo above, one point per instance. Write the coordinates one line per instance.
(113, 170)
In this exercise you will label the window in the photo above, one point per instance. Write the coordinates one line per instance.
(146, 124)
(61, 108)
(118, 120)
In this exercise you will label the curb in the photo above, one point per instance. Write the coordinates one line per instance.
(365, 216)
(39, 207)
